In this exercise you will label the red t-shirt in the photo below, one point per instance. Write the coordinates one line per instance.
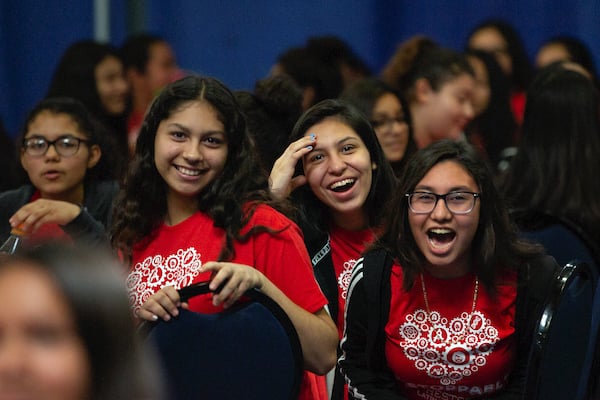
(517, 105)
(176, 253)
(451, 352)
(346, 248)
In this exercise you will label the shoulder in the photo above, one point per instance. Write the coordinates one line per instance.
(375, 269)
(19, 195)
(265, 215)
(12, 200)
(357, 276)
(101, 189)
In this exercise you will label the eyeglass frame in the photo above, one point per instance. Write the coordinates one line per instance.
(442, 196)
(49, 143)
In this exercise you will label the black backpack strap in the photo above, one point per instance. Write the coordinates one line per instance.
(377, 270)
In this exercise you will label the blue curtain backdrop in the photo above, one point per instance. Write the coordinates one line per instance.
(238, 42)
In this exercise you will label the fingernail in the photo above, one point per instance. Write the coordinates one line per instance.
(309, 147)
(154, 318)
(312, 137)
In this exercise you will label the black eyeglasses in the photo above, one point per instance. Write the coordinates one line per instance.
(456, 202)
(65, 146)
(387, 122)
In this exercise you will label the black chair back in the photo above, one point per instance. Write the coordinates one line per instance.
(563, 336)
(249, 351)
(566, 241)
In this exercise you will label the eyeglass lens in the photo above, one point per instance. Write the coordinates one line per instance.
(64, 145)
(457, 202)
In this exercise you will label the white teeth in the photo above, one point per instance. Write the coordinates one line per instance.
(440, 231)
(436, 245)
(342, 183)
(191, 172)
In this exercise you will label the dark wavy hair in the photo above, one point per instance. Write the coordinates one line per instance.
(364, 94)
(438, 65)
(75, 77)
(578, 51)
(91, 283)
(557, 158)
(90, 127)
(495, 246)
(522, 71)
(495, 126)
(135, 51)
(315, 212)
(271, 112)
(142, 205)
(308, 70)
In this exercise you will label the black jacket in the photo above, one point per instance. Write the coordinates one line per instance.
(319, 249)
(90, 225)
(363, 361)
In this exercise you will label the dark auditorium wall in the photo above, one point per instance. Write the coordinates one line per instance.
(238, 41)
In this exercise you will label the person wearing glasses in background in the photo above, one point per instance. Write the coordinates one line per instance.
(65, 198)
(389, 117)
(444, 304)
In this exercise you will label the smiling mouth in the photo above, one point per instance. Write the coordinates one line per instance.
(440, 237)
(187, 171)
(343, 185)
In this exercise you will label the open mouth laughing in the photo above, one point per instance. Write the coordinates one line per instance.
(441, 238)
(343, 185)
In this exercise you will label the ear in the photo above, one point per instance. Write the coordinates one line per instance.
(423, 90)
(94, 157)
(373, 166)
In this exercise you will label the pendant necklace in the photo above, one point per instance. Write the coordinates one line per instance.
(475, 293)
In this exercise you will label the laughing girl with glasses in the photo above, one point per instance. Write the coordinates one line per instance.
(62, 157)
(444, 304)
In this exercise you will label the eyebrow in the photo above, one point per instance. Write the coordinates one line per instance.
(62, 135)
(452, 189)
(179, 126)
(344, 140)
(188, 130)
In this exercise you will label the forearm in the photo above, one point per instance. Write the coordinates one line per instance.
(317, 332)
(85, 229)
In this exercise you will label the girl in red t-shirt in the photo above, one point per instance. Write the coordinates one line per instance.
(342, 181)
(196, 207)
(433, 309)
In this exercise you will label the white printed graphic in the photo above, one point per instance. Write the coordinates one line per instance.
(447, 350)
(344, 277)
(154, 273)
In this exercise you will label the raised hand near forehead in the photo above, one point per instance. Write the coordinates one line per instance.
(281, 180)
